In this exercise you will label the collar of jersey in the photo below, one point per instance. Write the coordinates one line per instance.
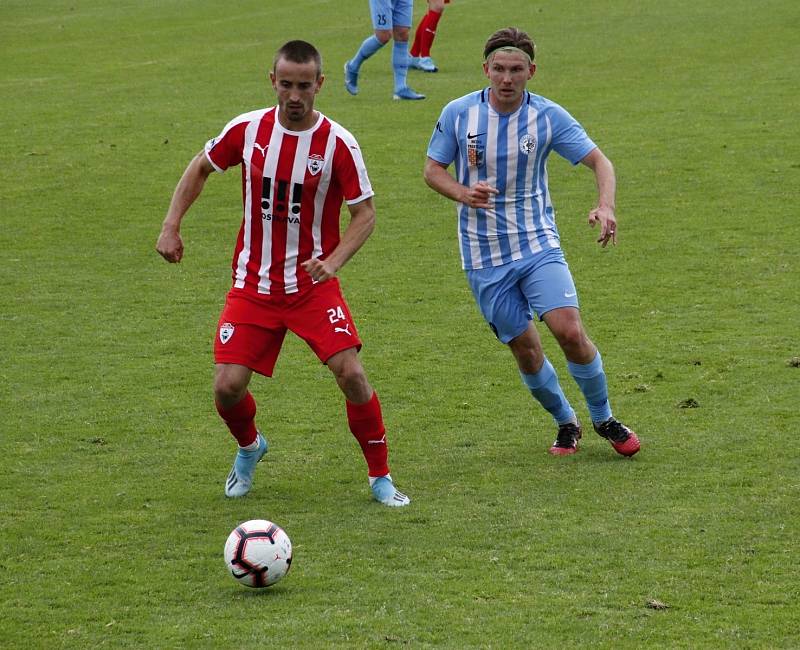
(526, 99)
(310, 129)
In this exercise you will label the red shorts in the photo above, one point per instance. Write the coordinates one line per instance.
(252, 328)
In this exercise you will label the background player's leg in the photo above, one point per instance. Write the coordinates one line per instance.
(400, 60)
(423, 38)
(370, 45)
(417, 44)
(429, 33)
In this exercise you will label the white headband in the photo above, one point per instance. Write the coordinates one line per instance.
(509, 48)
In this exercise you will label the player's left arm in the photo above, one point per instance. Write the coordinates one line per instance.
(362, 223)
(603, 212)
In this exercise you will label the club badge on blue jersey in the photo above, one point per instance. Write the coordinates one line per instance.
(527, 144)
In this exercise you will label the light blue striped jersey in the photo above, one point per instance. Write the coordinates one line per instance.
(508, 151)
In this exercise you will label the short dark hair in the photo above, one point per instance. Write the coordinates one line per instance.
(510, 37)
(298, 52)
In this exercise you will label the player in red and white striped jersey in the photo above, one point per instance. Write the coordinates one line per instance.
(297, 168)
(293, 184)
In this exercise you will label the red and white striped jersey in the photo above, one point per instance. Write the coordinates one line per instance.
(293, 185)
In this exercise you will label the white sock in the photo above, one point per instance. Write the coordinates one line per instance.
(252, 446)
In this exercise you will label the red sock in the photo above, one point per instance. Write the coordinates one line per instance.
(428, 34)
(366, 423)
(415, 47)
(240, 419)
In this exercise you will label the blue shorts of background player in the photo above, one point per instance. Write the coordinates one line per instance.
(507, 294)
(391, 19)
(388, 13)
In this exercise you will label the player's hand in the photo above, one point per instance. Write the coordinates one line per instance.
(170, 245)
(608, 225)
(319, 270)
(479, 195)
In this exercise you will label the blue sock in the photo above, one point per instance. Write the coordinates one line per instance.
(400, 64)
(545, 388)
(591, 379)
(367, 49)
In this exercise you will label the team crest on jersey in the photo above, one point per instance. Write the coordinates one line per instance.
(527, 144)
(226, 332)
(315, 163)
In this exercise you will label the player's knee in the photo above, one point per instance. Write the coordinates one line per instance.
(228, 389)
(530, 360)
(400, 34)
(353, 382)
(572, 338)
(351, 375)
(528, 354)
(383, 35)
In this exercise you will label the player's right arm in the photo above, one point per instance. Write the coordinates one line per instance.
(438, 178)
(170, 244)
(443, 149)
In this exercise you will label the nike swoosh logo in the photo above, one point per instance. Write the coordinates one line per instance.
(570, 295)
(472, 136)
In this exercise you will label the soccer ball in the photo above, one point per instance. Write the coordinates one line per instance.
(258, 553)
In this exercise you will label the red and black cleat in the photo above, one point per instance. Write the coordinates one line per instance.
(622, 439)
(567, 439)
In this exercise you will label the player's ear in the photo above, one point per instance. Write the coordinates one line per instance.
(272, 79)
(532, 71)
(486, 69)
(320, 79)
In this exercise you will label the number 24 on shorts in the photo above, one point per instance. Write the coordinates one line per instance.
(336, 314)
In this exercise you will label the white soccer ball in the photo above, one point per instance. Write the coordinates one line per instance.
(258, 553)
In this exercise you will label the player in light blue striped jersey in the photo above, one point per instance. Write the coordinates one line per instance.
(499, 139)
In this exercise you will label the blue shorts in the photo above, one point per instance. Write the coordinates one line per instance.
(506, 294)
(391, 13)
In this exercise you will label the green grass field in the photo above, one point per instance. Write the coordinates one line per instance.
(112, 457)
